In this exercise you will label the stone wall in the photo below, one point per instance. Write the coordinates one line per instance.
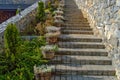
(104, 18)
(21, 20)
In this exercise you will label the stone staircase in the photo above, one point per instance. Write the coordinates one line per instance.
(81, 55)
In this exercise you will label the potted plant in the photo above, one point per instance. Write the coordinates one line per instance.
(61, 5)
(58, 22)
(52, 38)
(60, 9)
(48, 51)
(52, 35)
(43, 72)
(58, 12)
(59, 17)
(52, 29)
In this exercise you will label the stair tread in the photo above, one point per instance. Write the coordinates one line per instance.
(72, 57)
(79, 36)
(87, 50)
(86, 43)
(83, 77)
(76, 31)
(77, 67)
(76, 28)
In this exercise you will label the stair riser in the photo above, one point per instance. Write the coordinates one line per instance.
(69, 7)
(85, 72)
(72, 22)
(82, 46)
(82, 53)
(82, 62)
(73, 16)
(87, 33)
(73, 28)
(76, 20)
(79, 40)
(78, 25)
(70, 12)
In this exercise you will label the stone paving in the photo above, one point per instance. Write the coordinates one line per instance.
(81, 55)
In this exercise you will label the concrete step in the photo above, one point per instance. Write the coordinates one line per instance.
(69, 7)
(72, 10)
(83, 60)
(76, 69)
(77, 32)
(77, 20)
(82, 45)
(82, 52)
(71, 13)
(74, 16)
(79, 38)
(77, 28)
(76, 25)
(82, 77)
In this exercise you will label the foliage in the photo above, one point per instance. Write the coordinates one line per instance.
(50, 20)
(18, 11)
(20, 66)
(49, 48)
(40, 29)
(29, 30)
(51, 6)
(42, 69)
(11, 39)
(51, 34)
(40, 12)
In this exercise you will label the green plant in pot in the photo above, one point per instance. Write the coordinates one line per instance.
(48, 51)
(58, 12)
(52, 29)
(43, 72)
(52, 35)
(52, 38)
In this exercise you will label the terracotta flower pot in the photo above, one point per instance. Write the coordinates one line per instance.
(43, 76)
(52, 40)
(48, 54)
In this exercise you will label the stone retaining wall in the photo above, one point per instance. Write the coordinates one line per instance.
(104, 18)
(21, 20)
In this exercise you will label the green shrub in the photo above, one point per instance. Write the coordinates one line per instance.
(11, 39)
(18, 64)
(40, 12)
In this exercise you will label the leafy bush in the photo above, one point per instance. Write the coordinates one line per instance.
(19, 65)
(11, 39)
(40, 12)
